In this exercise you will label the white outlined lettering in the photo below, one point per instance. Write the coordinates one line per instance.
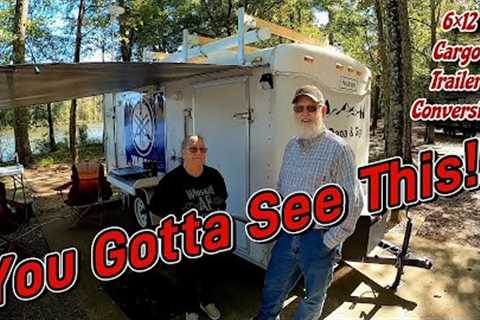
(113, 252)
(295, 214)
(406, 185)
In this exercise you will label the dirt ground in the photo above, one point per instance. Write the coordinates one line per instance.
(454, 220)
(48, 306)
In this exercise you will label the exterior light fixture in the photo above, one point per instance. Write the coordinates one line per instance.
(266, 81)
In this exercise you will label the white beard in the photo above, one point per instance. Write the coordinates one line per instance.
(310, 131)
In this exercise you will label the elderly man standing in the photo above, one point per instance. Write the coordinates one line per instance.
(313, 158)
(193, 185)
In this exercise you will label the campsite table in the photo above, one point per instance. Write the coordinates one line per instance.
(16, 173)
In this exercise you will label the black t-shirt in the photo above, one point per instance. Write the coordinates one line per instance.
(178, 192)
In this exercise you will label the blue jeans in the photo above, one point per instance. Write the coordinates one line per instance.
(294, 256)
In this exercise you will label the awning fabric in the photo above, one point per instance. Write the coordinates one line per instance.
(25, 85)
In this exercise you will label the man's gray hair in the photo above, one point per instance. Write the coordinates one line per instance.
(187, 141)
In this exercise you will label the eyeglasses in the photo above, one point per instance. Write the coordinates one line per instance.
(196, 149)
(310, 108)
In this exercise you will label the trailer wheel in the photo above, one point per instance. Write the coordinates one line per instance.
(140, 212)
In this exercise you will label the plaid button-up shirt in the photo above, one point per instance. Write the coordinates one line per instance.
(309, 164)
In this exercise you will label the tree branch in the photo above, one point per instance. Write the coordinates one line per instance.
(425, 55)
(419, 21)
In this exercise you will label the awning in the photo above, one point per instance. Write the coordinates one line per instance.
(25, 85)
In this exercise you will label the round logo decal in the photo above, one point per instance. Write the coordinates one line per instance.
(143, 127)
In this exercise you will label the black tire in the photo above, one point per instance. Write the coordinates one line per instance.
(139, 212)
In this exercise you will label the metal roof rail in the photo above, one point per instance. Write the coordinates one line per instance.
(196, 48)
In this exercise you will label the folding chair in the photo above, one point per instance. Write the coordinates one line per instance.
(14, 218)
(88, 191)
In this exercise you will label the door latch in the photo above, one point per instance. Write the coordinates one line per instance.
(247, 115)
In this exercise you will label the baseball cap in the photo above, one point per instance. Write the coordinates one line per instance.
(309, 91)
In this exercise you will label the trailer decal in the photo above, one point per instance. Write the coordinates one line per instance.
(346, 108)
(144, 127)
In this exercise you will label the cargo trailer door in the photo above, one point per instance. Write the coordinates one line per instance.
(221, 116)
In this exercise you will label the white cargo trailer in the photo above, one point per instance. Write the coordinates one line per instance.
(239, 98)
(246, 118)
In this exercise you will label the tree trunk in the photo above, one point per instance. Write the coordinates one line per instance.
(434, 5)
(73, 106)
(375, 109)
(407, 78)
(228, 18)
(126, 34)
(51, 132)
(22, 114)
(398, 135)
(383, 82)
(72, 129)
(429, 133)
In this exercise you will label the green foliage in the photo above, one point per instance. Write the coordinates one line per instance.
(42, 144)
(89, 111)
(353, 27)
(96, 27)
(419, 18)
(6, 27)
(294, 14)
(43, 42)
(159, 24)
(62, 154)
(83, 134)
(6, 119)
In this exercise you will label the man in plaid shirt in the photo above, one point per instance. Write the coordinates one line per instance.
(314, 158)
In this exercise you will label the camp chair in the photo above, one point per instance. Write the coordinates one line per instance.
(88, 191)
(14, 218)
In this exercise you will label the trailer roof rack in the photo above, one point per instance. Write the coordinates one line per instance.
(196, 48)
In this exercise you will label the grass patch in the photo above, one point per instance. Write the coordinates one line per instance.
(87, 151)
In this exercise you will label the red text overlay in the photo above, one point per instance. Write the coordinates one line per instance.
(392, 184)
(269, 215)
(465, 22)
(462, 54)
(461, 80)
(57, 273)
(113, 251)
(422, 110)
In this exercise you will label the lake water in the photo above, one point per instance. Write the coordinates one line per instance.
(37, 135)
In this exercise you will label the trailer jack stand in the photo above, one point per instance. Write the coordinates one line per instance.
(402, 256)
